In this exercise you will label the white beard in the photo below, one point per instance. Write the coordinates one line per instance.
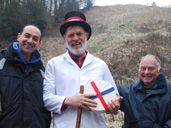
(80, 51)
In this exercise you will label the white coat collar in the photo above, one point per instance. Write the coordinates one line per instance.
(89, 58)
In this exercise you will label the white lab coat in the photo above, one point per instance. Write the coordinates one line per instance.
(63, 79)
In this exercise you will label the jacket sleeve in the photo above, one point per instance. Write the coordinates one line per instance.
(167, 124)
(120, 92)
(52, 101)
(2, 62)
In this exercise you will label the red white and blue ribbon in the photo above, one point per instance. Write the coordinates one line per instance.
(100, 95)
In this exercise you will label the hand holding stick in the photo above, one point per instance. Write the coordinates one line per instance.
(79, 110)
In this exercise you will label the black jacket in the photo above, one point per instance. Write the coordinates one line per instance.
(21, 91)
(146, 111)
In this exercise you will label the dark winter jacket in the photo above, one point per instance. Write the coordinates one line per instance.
(146, 111)
(21, 90)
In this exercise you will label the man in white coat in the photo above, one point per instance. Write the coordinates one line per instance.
(65, 73)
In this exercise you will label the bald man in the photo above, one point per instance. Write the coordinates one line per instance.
(147, 104)
(21, 83)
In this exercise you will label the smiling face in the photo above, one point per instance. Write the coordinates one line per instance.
(76, 38)
(149, 71)
(29, 41)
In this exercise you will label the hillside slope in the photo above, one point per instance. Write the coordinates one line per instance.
(121, 35)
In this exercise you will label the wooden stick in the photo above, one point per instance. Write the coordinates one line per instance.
(79, 110)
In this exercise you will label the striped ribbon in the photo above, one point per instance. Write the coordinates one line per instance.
(99, 95)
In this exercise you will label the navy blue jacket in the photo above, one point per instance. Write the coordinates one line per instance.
(21, 91)
(146, 111)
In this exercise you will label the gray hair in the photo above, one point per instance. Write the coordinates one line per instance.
(155, 57)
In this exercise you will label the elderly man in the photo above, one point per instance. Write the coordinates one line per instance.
(65, 73)
(21, 83)
(147, 104)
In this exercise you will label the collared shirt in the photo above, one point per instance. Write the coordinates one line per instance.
(76, 60)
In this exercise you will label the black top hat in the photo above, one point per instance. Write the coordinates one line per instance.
(75, 18)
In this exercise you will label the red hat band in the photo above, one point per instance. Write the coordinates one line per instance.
(74, 19)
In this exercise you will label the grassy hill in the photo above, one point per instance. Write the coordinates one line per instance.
(131, 31)
(121, 35)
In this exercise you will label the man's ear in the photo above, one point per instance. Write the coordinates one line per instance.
(18, 36)
(64, 38)
(87, 35)
(40, 43)
(160, 70)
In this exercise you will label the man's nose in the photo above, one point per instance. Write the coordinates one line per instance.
(146, 71)
(30, 40)
(75, 37)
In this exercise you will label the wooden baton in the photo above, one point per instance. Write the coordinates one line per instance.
(79, 110)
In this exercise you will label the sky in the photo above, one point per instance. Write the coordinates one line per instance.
(143, 2)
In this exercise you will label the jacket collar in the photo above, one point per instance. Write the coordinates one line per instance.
(160, 86)
(35, 57)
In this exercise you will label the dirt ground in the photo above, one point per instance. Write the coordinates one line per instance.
(110, 124)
